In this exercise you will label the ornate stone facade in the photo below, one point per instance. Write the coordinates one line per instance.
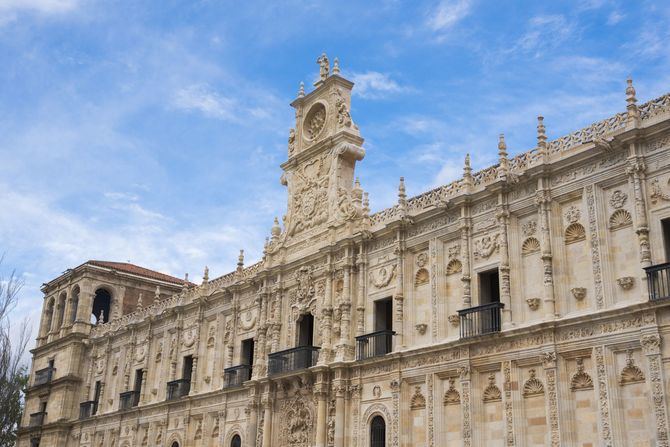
(510, 307)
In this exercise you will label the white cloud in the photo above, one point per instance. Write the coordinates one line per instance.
(375, 85)
(543, 32)
(448, 13)
(203, 99)
(40, 6)
(615, 17)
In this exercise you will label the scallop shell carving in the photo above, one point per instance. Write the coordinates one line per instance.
(574, 233)
(492, 392)
(421, 277)
(620, 219)
(581, 380)
(451, 396)
(533, 386)
(530, 245)
(454, 267)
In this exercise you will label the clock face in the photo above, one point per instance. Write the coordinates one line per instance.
(315, 121)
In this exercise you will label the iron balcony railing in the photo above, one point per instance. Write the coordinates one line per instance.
(178, 388)
(480, 320)
(87, 409)
(374, 345)
(658, 279)
(37, 419)
(45, 375)
(128, 400)
(293, 359)
(236, 376)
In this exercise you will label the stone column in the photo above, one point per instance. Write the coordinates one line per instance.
(395, 423)
(508, 402)
(551, 372)
(267, 421)
(362, 281)
(503, 219)
(399, 297)
(636, 176)
(251, 412)
(327, 312)
(339, 415)
(464, 373)
(345, 307)
(595, 246)
(321, 417)
(604, 419)
(465, 255)
(543, 202)
(651, 345)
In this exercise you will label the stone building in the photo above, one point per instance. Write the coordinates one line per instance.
(524, 304)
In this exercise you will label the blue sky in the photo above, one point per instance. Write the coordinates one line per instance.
(153, 131)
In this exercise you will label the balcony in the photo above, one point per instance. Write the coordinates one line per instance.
(37, 419)
(178, 388)
(658, 279)
(293, 359)
(128, 400)
(236, 376)
(43, 376)
(480, 320)
(375, 344)
(87, 409)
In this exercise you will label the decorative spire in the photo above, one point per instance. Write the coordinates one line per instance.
(205, 275)
(185, 286)
(276, 230)
(336, 66)
(631, 100)
(139, 301)
(402, 195)
(157, 293)
(301, 90)
(366, 204)
(357, 193)
(467, 171)
(240, 261)
(502, 157)
(541, 133)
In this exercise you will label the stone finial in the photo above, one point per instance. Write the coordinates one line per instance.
(631, 100)
(541, 134)
(139, 301)
(157, 293)
(357, 193)
(240, 261)
(301, 90)
(276, 230)
(402, 195)
(502, 157)
(205, 275)
(185, 286)
(467, 171)
(324, 66)
(336, 66)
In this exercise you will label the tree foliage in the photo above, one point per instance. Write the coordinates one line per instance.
(13, 371)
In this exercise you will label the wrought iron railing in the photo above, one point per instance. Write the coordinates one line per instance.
(43, 376)
(292, 359)
(37, 419)
(128, 400)
(236, 376)
(87, 409)
(374, 345)
(178, 388)
(480, 320)
(658, 279)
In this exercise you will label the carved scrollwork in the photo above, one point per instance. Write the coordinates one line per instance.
(486, 246)
(383, 276)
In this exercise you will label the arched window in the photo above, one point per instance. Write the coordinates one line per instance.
(175, 444)
(61, 310)
(236, 441)
(306, 330)
(49, 316)
(101, 306)
(378, 432)
(75, 304)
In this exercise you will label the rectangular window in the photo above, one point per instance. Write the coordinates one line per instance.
(187, 369)
(139, 375)
(247, 354)
(489, 287)
(383, 315)
(665, 226)
(96, 396)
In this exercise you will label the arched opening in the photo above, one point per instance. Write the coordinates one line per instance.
(236, 441)
(101, 306)
(175, 444)
(378, 432)
(74, 305)
(49, 316)
(61, 310)
(306, 330)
